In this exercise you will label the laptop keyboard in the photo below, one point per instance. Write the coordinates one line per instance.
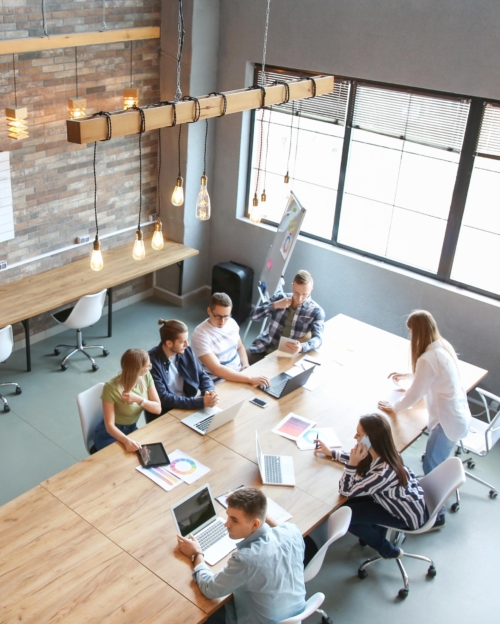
(212, 534)
(272, 467)
(203, 424)
(277, 389)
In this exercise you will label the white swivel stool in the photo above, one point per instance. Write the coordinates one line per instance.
(6, 345)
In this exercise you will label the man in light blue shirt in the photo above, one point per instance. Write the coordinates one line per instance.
(266, 572)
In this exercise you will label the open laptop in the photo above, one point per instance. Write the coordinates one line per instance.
(274, 469)
(196, 515)
(283, 384)
(211, 418)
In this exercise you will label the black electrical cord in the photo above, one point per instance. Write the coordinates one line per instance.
(224, 101)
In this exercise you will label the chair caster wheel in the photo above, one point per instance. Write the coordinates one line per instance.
(455, 507)
(493, 494)
(95, 367)
(18, 390)
(105, 352)
(84, 343)
(431, 571)
(64, 367)
(362, 573)
(362, 543)
(423, 457)
(403, 593)
(57, 351)
(471, 464)
(6, 408)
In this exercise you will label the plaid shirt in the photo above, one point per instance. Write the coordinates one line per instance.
(309, 317)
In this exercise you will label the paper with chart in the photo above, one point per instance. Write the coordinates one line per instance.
(325, 434)
(186, 467)
(162, 477)
(293, 426)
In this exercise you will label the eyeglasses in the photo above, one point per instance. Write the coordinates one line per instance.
(220, 317)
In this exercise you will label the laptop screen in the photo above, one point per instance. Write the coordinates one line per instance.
(258, 451)
(194, 512)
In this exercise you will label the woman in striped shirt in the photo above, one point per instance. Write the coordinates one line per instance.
(381, 490)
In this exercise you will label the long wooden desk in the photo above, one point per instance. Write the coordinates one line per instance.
(131, 515)
(46, 291)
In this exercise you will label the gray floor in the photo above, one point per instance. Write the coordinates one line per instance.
(41, 436)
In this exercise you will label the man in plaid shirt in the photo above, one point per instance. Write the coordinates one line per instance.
(294, 316)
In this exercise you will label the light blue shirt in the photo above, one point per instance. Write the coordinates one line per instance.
(265, 574)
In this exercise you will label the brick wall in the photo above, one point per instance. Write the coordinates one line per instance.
(52, 180)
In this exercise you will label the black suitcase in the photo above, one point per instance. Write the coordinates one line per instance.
(236, 280)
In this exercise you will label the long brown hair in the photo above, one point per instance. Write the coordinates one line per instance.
(424, 331)
(377, 428)
(133, 360)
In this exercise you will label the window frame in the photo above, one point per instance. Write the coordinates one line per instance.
(459, 195)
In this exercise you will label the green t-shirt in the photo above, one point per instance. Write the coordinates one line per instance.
(287, 327)
(126, 414)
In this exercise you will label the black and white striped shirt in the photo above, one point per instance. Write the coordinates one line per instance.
(381, 483)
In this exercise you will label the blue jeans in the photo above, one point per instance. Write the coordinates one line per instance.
(439, 448)
(367, 516)
(102, 437)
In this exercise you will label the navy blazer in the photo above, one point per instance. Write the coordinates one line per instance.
(190, 370)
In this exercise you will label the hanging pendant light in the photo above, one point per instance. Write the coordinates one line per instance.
(287, 177)
(96, 262)
(130, 96)
(255, 212)
(139, 251)
(203, 199)
(77, 107)
(17, 125)
(157, 241)
(178, 194)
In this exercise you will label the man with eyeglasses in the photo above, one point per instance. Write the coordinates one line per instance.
(293, 315)
(217, 344)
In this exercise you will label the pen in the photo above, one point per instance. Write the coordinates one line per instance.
(316, 442)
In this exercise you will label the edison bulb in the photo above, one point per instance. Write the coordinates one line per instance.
(255, 214)
(96, 263)
(178, 194)
(203, 201)
(157, 241)
(139, 251)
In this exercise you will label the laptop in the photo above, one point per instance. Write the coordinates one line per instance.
(196, 515)
(274, 469)
(283, 384)
(211, 418)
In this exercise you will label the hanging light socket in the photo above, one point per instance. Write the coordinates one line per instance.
(77, 108)
(17, 126)
(203, 201)
(96, 263)
(287, 178)
(130, 98)
(178, 194)
(139, 251)
(263, 197)
(255, 201)
(157, 241)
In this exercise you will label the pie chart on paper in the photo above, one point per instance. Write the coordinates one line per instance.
(185, 467)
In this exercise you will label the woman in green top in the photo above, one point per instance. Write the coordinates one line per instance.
(123, 400)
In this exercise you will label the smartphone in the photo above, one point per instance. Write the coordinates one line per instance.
(366, 441)
(259, 402)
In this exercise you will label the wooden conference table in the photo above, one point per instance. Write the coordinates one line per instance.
(97, 541)
(46, 291)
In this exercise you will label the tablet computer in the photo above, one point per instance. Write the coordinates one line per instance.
(153, 455)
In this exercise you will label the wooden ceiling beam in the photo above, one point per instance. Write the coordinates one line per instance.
(35, 44)
(127, 122)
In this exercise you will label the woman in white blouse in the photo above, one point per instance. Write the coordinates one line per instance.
(436, 378)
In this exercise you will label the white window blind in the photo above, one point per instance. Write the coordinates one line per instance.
(330, 107)
(429, 120)
(488, 144)
(6, 211)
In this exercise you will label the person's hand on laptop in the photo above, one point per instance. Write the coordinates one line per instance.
(262, 380)
(210, 398)
(188, 546)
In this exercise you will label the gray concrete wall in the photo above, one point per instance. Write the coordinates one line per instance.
(449, 45)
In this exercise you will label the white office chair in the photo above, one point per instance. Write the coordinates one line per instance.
(312, 605)
(481, 438)
(330, 531)
(90, 410)
(438, 486)
(86, 312)
(6, 346)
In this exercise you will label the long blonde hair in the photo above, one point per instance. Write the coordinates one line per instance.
(424, 331)
(133, 360)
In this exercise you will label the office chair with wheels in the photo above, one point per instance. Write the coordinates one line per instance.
(90, 410)
(330, 531)
(6, 346)
(438, 486)
(86, 312)
(312, 605)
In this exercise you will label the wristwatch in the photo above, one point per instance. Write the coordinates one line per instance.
(193, 557)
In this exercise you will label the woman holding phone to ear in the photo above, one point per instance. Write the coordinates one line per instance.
(436, 378)
(381, 490)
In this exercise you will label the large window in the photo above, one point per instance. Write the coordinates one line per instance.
(408, 177)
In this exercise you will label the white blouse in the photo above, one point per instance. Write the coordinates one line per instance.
(437, 379)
